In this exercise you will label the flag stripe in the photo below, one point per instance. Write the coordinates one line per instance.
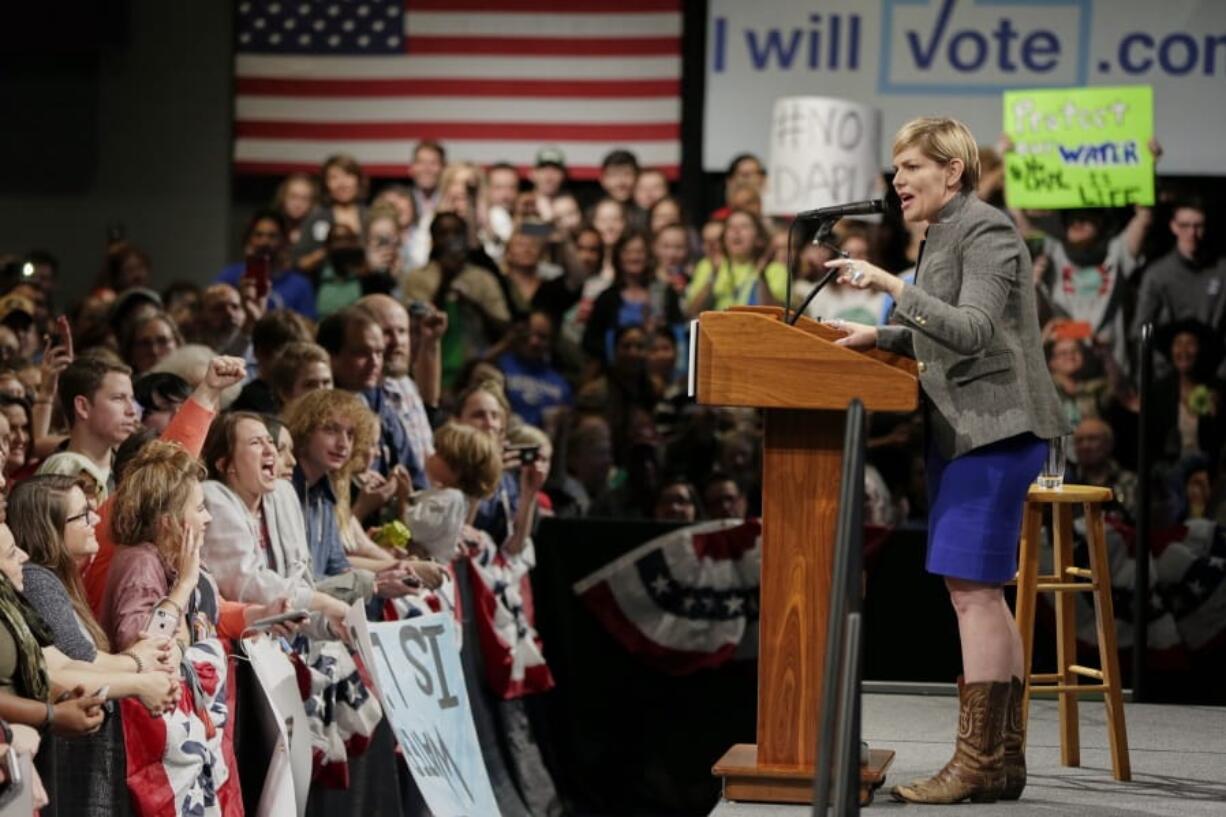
(438, 109)
(509, 131)
(269, 66)
(494, 80)
(602, 603)
(393, 151)
(400, 170)
(553, 46)
(348, 88)
(604, 26)
(549, 6)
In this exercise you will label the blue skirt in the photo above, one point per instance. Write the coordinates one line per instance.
(975, 504)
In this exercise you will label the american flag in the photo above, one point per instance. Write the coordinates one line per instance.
(492, 80)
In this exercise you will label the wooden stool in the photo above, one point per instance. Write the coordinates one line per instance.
(1064, 682)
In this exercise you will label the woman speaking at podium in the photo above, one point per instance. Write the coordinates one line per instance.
(989, 407)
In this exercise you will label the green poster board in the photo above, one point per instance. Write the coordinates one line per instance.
(1079, 147)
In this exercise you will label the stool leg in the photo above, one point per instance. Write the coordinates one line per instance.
(1024, 605)
(1109, 656)
(1066, 637)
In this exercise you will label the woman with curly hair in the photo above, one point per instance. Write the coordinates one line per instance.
(156, 586)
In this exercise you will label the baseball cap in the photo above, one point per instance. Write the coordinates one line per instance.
(127, 300)
(551, 155)
(13, 304)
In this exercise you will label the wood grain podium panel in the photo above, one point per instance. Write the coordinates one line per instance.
(804, 381)
(801, 467)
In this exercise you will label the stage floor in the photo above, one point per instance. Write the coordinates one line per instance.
(1178, 760)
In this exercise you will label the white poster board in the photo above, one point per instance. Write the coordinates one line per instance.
(823, 151)
(282, 716)
(415, 665)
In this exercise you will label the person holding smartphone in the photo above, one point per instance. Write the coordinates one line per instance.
(157, 587)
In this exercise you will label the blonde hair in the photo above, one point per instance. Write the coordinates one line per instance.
(310, 411)
(473, 455)
(290, 361)
(942, 140)
(367, 428)
(153, 495)
(524, 434)
(381, 212)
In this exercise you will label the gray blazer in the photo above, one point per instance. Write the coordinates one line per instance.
(971, 322)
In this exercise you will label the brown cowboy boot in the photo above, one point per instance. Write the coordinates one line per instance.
(976, 771)
(1015, 742)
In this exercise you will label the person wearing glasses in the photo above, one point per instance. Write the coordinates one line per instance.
(54, 520)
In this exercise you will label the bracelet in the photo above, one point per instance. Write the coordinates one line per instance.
(172, 603)
(140, 665)
(46, 727)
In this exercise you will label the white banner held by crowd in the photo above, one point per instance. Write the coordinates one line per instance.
(415, 666)
(283, 719)
(823, 151)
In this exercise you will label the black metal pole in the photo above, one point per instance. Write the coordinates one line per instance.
(1140, 590)
(847, 788)
(843, 710)
(853, 539)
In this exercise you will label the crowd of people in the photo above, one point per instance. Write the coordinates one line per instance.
(393, 378)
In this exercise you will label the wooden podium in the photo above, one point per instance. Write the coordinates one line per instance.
(748, 356)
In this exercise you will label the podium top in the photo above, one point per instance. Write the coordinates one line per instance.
(748, 356)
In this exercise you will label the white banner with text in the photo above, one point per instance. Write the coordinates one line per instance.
(417, 673)
(955, 58)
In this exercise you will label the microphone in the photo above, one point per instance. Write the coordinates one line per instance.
(837, 211)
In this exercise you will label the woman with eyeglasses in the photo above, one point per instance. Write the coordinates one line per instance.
(149, 340)
(55, 521)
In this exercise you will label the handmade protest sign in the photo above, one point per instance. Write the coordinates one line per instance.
(823, 151)
(416, 669)
(1079, 147)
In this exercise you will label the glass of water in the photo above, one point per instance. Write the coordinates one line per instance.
(1052, 475)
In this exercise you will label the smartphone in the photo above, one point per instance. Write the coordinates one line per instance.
(16, 782)
(259, 270)
(296, 616)
(60, 334)
(536, 229)
(527, 453)
(162, 624)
